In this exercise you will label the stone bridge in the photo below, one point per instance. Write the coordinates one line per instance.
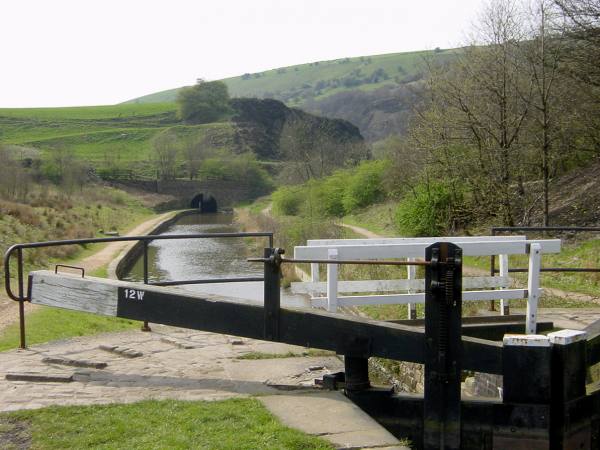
(207, 195)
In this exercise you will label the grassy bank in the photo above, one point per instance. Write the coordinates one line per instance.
(49, 213)
(50, 324)
(229, 424)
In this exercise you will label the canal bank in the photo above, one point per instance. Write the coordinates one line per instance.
(131, 251)
(208, 259)
(109, 255)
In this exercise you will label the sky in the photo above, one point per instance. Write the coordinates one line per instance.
(95, 52)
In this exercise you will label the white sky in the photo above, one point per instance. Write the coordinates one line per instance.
(91, 52)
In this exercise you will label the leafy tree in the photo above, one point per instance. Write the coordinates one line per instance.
(205, 102)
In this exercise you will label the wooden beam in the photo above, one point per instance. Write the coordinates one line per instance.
(403, 299)
(172, 306)
(429, 240)
(417, 249)
(394, 285)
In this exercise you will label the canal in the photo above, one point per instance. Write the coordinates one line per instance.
(182, 259)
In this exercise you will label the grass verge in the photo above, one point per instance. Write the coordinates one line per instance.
(51, 324)
(309, 353)
(229, 424)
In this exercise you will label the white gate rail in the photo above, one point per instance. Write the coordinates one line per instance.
(474, 288)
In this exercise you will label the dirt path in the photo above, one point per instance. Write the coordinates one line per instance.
(362, 231)
(9, 312)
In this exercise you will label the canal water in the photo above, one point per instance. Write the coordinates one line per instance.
(183, 259)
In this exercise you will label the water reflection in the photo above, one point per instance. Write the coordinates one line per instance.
(184, 259)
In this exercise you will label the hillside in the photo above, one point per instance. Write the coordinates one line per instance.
(575, 197)
(116, 141)
(319, 79)
(376, 93)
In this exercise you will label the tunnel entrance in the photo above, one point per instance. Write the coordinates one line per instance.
(205, 205)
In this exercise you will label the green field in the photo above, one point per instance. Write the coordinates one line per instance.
(293, 83)
(101, 135)
(112, 112)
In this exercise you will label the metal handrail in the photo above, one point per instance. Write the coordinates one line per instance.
(18, 248)
(21, 298)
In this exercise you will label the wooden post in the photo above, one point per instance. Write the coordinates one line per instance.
(443, 347)
(570, 422)
(314, 272)
(356, 371)
(504, 308)
(332, 280)
(411, 275)
(145, 325)
(533, 287)
(527, 373)
(526, 363)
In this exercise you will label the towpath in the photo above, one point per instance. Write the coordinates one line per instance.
(8, 309)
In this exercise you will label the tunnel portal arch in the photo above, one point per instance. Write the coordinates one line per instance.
(206, 203)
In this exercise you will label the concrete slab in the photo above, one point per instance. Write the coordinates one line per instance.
(570, 318)
(332, 416)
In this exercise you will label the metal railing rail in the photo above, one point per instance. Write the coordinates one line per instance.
(22, 295)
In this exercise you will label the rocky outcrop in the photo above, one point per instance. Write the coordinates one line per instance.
(261, 122)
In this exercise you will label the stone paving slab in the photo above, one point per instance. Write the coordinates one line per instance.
(332, 416)
(189, 365)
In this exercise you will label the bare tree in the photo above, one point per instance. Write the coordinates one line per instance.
(195, 150)
(476, 110)
(583, 29)
(543, 54)
(311, 151)
(165, 150)
(14, 179)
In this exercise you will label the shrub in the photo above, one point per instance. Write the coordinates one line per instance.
(242, 168)
(427, 211)
(364, 187)
(332, 193)
(287, 201)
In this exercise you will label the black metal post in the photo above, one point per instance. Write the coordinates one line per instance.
(22, 344)
(145, 325)
(272, 300)
(443, 310)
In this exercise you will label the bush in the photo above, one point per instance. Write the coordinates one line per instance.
(287, 201)
(242, 168)
(332, 193)
(364, 187)
(427, 211)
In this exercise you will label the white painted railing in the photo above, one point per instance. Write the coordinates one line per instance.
(474, 288)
